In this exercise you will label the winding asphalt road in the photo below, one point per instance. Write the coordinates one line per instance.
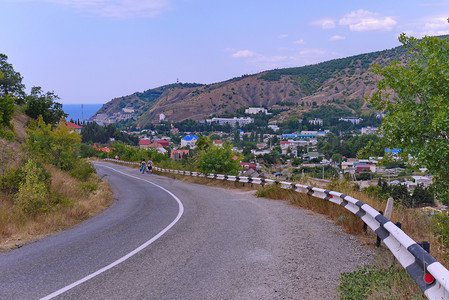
(167, 239)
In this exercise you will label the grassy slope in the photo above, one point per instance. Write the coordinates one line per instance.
(17, 229)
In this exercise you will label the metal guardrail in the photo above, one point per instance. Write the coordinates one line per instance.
(430, 275)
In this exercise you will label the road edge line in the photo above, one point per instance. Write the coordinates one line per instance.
(130, 254)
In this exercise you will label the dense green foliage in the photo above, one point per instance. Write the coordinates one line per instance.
(45, 105)
(54, 145)
(218, 160)
(440, 225)
(94, 133)
(33, 193)
(418, 110)
(10, 81)
(348, 146)
(421, 195)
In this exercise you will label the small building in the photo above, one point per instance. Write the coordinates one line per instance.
(144, 144)
(369, 130)
(231, 121)
(189, 141)
(178, 154)
(163, 143)
(75, 128)
(353, 120)
(261, 145)
(128, 110)
(424, 180)
(256, 110)
(218, 143)
(248, 165)
(316, 122)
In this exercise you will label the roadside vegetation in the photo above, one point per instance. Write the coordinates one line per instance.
(45, 186)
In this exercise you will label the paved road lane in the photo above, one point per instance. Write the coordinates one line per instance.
(227, 245)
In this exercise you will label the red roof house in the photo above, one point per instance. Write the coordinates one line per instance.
(74, 127)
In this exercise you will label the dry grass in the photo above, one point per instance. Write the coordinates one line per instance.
(78, 202)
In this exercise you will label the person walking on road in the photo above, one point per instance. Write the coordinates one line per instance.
(143, 166)
(150, 166)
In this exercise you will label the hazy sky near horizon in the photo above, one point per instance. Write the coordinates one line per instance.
(90, 51)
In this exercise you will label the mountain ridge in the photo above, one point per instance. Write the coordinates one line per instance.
(342, 83)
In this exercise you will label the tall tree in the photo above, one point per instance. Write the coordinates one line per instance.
(415, 97)
(11, 82)
(6, 112)
(45, 105)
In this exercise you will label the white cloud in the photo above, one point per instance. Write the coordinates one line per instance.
(300, 42)
(119, 8)
(436, 26)
(430, 26)
(283, 36)
(325, 23)
(296, 59)
(337, 38)
(362, 20)
(243, 53)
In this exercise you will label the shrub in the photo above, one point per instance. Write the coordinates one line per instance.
(88, 187)
(11, 180)
(32, 196)
(374, 191)
(440, 224)
(82, 170)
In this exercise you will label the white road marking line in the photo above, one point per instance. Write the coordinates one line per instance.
(135, 251)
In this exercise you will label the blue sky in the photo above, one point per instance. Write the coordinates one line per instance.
(90, 51)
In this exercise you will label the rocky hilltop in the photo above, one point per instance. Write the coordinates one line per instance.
(341, 82)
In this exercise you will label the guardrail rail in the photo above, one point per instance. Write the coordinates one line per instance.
(430, 275)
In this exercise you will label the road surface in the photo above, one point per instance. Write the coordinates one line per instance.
(196, 242)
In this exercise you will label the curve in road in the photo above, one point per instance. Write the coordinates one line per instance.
(227, 245)
(130, 254)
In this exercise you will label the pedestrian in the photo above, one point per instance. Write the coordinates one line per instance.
(142, 166)
(150, 166)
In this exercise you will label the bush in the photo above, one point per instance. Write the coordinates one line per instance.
(32, 197)
(88, 187)
(364, 176)
(218, 160)
(11, 180)
(82, 170)
(374, 191)
(440, 225)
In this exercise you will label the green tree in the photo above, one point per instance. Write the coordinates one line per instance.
(33, 194)
(203, 143)
(57, 146)
(415, 97)
(45, 105)
(219, 160)
(11, 81)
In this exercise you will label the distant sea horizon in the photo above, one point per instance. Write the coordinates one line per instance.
(75, 112)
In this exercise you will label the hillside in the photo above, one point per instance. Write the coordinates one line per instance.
(342, 83)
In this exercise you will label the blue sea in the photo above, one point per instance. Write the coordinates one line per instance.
(76, 113)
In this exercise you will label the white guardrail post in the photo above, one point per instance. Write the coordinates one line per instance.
(431, 276)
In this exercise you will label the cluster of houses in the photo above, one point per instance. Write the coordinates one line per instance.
(125, 114)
